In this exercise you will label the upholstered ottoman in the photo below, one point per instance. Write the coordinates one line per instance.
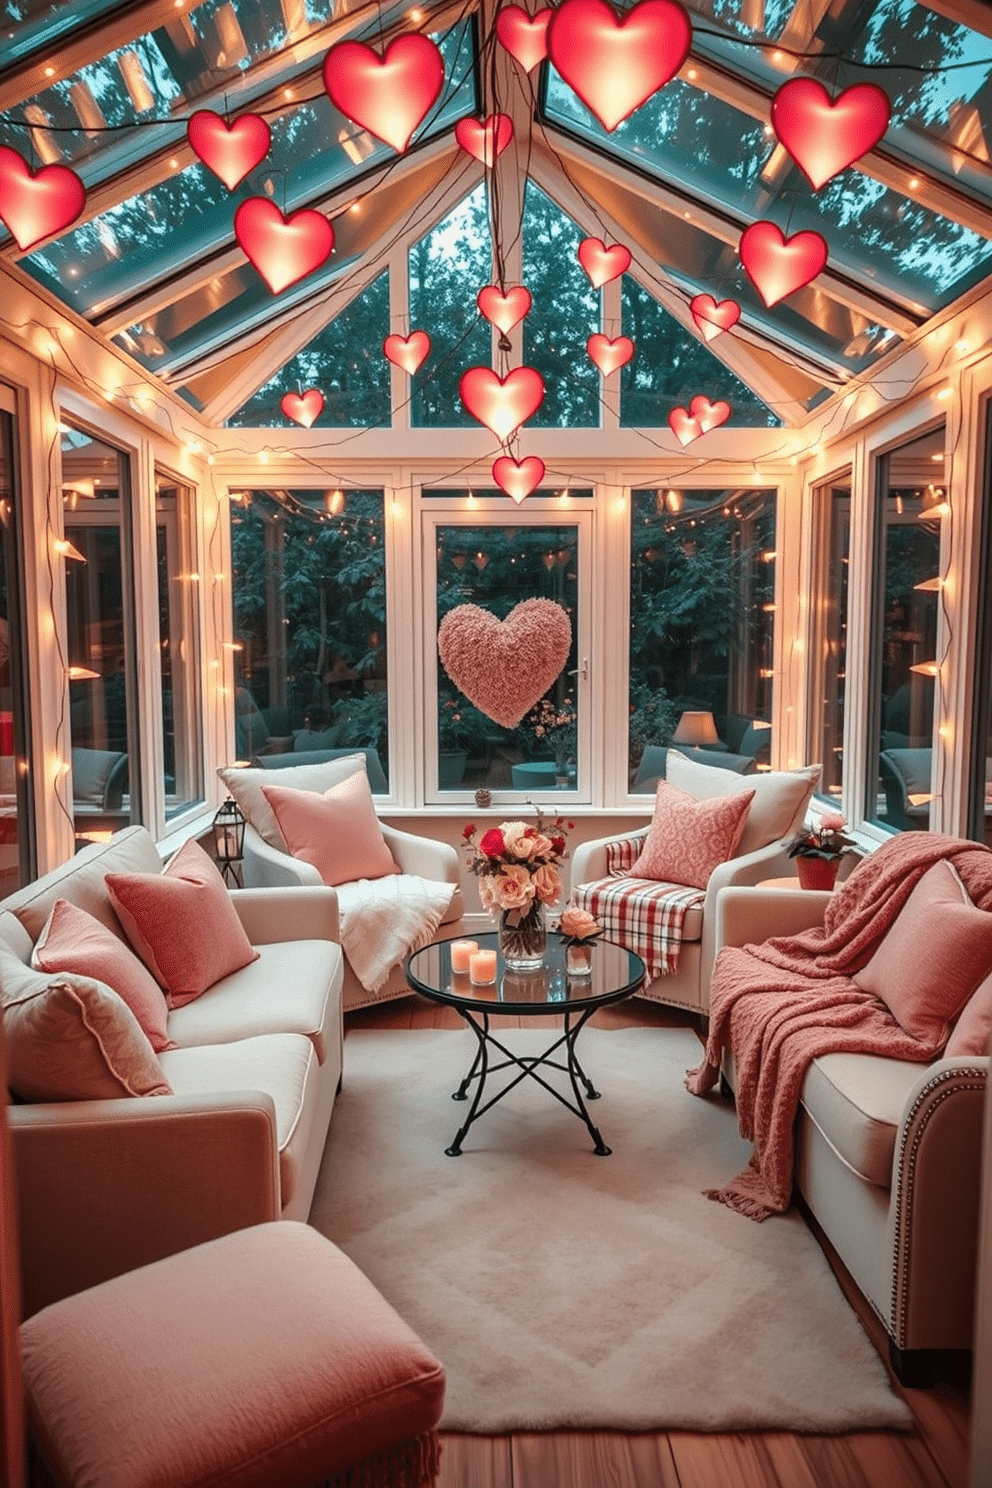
(264, 1359)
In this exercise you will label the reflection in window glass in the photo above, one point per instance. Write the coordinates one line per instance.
(701, 629)
(309, 592)
(834, 518)
(16, 814)
(496, 568)
(448, 267)
(179, 646)
(910, 491)
(565, 314)
(100, 637)
(980, 772)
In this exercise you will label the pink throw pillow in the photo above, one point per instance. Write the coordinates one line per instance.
(933, 956)
(338, 833)
(970, 1034)
(689, 838)
(73, 940)
(182, 924)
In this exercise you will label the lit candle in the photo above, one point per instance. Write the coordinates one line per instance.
(461, 950)
(482, 966)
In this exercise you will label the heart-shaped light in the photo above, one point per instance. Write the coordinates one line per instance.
(486, 142)
(825, 135)
(505, 666)
(524, 36)
(713, 317)
(408, 352)
(231, 151)
(501, 403)
(601, 263)
(388, 95)
(613, 62)
(518, 478)
(708, 415)
(504, 310)
(303, 408)
(777, 265)
(684, 426)
(34, 205)
(283, 249)
(609, 355)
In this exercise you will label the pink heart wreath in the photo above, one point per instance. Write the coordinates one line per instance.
(505, 666)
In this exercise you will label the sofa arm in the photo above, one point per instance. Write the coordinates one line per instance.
(749, 915)
(106, 1186)
(589, 858)
(267, 867)
(422, 856)
(272, 915)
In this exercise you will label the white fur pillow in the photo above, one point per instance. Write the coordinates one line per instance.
(780, 796)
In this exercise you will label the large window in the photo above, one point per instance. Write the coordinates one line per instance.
(832, 514)
(980, 775)
(309, 591)
(909, 509)
(179, 645)
(17, 859)
(701, 628)
(99, 589)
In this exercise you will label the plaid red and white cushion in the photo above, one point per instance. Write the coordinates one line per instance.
(642, 915)
(622, 854)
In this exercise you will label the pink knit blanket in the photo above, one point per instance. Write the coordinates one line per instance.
(779, 1005)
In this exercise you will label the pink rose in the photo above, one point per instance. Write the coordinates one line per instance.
(514, 888)
(519, 839)
(578, 923)
(541, 846)
(832, 822)
(547, 884)
(492, 844)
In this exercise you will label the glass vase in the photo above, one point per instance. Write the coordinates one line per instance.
(578, 959)
(523, 937)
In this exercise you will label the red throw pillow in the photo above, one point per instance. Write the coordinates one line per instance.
(182, 924)
(73, 940)
(338, 833)
(689, 838)
(971, 1033)
(932, 957)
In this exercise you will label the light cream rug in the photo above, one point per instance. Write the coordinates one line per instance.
(564, 1290)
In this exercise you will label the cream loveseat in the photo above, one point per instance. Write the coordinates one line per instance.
(106, 1185)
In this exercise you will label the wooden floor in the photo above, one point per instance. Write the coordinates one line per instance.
(934, 1455)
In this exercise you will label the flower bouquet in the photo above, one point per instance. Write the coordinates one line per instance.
(555, 727)
(579, 930)
(517, 868)
(819, 850)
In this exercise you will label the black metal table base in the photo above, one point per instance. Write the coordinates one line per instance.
(528, 1065)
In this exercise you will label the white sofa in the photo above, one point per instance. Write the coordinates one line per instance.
(888, 1159)
(104, 1186)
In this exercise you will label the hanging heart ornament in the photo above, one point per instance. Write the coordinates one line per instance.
(524, 36)
(505, 666)
(486, 142)
(684, 426)
(408, 352)
(283, 249)
(502, 309)
(518, 478)
(713, 317)
(34, 205)
(388, 95)
(609, 355)
(824, 135)
(777, 265)
(701, 416)
(303, 408)
(614, 63)
(231, 151)
(601, 263)
(502, 404)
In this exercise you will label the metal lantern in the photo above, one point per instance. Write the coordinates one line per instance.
(229, 840)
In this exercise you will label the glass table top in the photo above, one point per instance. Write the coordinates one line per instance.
(616, 973)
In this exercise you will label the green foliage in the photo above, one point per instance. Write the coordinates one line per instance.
(448, 267)
(565, 313)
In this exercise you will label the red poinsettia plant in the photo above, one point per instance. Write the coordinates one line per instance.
(826, 839)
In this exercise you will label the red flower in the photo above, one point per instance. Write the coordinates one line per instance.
(468, 832)
(558, 843)
(492, 844)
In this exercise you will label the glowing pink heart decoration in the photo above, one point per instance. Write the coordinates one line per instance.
(518, 478)
(34, 205)
(683, 426)
(502, 404)
(486, 142)
(283, 249)
(504, 310)
(601, 263)
(708, 415)
(614, 63)
(388, 95)
(231, 151)
(303, 408)
(713, 317)
(825, 135)
(777, 265)
(609, 355)
(408, 352)
(525, 37)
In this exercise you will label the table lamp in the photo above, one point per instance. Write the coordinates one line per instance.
(696, 728)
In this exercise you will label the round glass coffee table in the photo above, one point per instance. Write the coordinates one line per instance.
(615, 974)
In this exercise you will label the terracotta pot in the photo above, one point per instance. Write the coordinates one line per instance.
(817, 873)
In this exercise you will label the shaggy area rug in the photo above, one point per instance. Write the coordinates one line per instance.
(563, 1290)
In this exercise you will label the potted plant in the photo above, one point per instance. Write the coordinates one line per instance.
(818, 850)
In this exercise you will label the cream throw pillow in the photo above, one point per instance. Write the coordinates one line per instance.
(780, 796)
(246, 788)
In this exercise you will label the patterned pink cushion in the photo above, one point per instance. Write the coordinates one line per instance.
(689, 838)
(182, 924)
(73, 940)
(971, 1033)
(338, 833)
(937, 950)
